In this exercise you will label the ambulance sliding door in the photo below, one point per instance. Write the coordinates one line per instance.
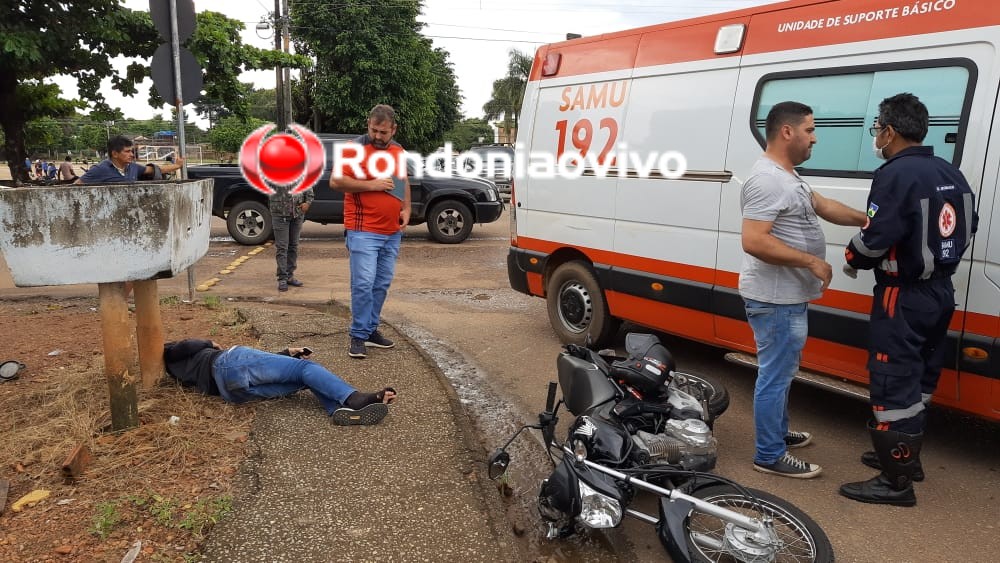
(667, 228)
(979, 380)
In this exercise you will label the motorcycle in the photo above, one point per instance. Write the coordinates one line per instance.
(609, 457)
(668, 414)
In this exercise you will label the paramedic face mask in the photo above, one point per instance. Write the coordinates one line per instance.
(877, 149)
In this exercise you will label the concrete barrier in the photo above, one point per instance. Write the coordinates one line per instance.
(61, 235)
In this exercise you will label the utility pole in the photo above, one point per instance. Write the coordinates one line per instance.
(279, 71)
(287, 79)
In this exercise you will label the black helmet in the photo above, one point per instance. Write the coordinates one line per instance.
(649, 365)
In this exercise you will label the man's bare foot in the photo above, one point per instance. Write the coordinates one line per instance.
(386, 395)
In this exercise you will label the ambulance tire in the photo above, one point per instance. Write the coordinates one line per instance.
(577, 307)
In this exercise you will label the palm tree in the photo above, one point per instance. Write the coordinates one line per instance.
(508, 92)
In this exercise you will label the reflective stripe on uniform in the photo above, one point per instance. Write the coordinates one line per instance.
(898, 414)
(925, 398)
(869, 252)
(925, 251)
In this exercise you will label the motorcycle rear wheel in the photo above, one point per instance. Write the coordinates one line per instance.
(802, 540)
(709, 388)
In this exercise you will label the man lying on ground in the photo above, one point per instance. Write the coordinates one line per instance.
(242, 374)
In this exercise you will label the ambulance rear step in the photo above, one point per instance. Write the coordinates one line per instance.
(835, 384)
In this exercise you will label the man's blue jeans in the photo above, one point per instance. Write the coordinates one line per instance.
(373, 263)
(286, 245)
(244, 374)
(780, 332)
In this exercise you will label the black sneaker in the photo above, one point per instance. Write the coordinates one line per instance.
(797, 439)
(282, 285)
(370, 414)
(357, 349)
(295, 283)
(376, 340)
(790, 466)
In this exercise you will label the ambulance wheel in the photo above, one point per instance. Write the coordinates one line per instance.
(577, 307)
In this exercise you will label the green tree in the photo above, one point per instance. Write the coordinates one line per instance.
(372, 52)
(44, 134)
(508, 92)
(43, 38)
(229, 133)
(469, 132)
(262, 104)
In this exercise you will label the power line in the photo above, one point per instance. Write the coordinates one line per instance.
(502, 40)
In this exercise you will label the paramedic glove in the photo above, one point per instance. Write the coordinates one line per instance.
(851, 272)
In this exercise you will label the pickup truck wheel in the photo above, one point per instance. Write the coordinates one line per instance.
(249, 222)
(576, 306)
(450, 222)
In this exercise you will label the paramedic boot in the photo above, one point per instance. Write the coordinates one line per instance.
(871, 460)
(897, 454)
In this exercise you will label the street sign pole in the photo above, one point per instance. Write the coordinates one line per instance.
(179, 103)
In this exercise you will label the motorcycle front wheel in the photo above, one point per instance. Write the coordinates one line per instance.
(797, 537)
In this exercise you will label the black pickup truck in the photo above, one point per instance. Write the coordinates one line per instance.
(449, 206)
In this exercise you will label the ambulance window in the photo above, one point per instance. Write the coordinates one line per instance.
(845, 105)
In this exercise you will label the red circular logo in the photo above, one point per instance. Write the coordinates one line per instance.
(284, 159)
(947, 220)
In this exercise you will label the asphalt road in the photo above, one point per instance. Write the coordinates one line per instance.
(456, 300)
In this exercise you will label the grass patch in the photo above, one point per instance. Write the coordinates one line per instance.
(212, 301)
(106, 517)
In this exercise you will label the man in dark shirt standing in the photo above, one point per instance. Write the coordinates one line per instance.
(118, 167)
(922, 216)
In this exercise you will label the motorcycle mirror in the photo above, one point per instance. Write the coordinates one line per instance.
(497, 463)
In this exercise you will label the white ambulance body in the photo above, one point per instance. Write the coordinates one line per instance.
(666, 253)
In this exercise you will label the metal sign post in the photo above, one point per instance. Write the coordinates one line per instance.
(179, 104)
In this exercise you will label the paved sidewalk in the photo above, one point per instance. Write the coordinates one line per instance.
(411, 488)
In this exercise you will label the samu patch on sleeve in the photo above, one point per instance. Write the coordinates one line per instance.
(872, 209)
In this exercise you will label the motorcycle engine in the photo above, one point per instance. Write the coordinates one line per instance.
(687, 443)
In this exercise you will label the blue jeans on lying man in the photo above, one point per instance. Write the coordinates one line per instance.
(780, 333)
(244, 374)
(373, 264)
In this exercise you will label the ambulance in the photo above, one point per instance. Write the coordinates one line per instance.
(627, 241)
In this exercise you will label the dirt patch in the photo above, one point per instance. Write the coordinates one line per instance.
(163, 484)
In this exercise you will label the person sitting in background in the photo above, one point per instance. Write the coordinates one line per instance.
(66, 171)
(118, 167)
(241, 374)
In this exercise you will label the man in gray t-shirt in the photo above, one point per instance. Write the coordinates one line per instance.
(784, 268)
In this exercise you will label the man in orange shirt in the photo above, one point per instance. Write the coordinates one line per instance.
(375, 212)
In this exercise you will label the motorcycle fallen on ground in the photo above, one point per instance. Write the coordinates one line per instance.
(661, 447)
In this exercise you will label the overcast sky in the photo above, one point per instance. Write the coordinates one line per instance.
(478, 34)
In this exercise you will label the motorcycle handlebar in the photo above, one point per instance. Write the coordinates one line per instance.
(550, 400)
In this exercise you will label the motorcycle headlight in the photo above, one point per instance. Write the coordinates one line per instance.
(598, 510)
